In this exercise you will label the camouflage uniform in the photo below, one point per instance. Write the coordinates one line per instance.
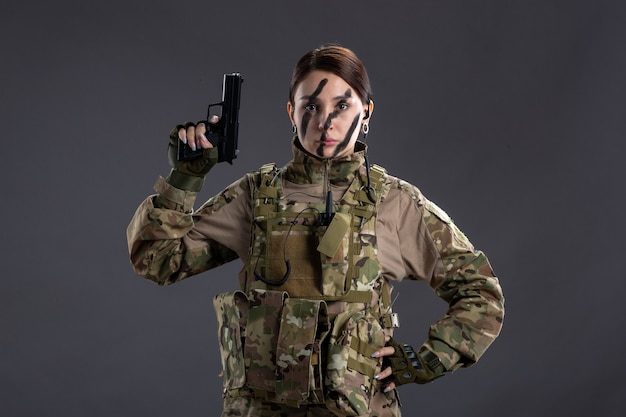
(402, 236)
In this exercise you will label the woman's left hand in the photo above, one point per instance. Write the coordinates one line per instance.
(386, 372)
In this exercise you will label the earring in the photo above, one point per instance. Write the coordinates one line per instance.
(293, 129)
(365, 128)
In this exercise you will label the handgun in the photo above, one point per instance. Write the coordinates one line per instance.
(224, 134)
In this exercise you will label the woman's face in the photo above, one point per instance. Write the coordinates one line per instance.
(327, 113)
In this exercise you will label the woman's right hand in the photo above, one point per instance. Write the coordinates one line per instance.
(189, 174)
(194, 134)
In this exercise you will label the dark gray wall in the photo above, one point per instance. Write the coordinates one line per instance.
(508, 114)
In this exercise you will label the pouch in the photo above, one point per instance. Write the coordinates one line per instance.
(349, 381)
(231, 309)
(304, 325)
(264, 317)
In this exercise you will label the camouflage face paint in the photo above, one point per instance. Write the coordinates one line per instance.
(306, 118)
(349, 134)
(341, 146)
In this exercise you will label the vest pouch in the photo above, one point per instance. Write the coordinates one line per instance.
(264, 317)
(304, 326)
(231, 309)
(333, 247)
(350, 382)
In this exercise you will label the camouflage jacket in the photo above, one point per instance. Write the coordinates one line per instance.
(169, 241)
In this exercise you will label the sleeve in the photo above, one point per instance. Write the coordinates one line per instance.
(168, 241)
(463, 277)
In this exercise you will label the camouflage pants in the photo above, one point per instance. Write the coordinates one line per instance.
(382, 405)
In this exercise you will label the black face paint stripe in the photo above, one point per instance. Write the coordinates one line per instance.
(331, 116)
(306, 118)
(346, 140)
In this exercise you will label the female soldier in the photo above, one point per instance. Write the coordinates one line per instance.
(310, 331)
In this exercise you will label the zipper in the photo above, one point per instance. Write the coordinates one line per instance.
(327, 165)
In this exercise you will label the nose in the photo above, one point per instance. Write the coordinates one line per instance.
(325, 121)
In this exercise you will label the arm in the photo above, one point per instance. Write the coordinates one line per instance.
(433, 249)
(464, 279)
(163, 243)
(168, 242)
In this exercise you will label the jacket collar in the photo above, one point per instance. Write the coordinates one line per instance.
(306, 168)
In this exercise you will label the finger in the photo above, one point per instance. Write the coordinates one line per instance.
(191, 136)
(182, 134)
(203, 142)
(200, 129)
(214, 119)
(390, 386)
(385, 373)
(386, 351)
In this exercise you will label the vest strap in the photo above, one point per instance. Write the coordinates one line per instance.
(350, 297)
(266, 192)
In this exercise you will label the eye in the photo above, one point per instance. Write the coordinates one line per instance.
(342, 106)
(310, 107)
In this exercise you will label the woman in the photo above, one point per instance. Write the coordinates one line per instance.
(310, 332)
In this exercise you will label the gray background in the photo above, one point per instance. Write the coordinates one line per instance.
(508, 114)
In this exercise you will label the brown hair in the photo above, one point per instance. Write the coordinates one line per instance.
(337, 60)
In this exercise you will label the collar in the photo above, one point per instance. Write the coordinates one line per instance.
(306, 168)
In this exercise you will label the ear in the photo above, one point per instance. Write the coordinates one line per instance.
(369, 109)
(290, 112)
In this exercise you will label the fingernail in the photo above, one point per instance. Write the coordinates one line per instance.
(376, 376)
(193, 146)
(387, 389)
(374, 355)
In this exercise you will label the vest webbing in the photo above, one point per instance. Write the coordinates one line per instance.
(266, 202)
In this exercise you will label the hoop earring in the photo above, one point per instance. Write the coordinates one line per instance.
(365, 128)
(294, 130)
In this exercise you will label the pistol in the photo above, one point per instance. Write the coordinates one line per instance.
(223, 135)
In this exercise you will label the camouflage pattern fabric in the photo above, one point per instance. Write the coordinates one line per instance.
(350, 369)
(351, 265)
(474, 295)
(231, 309)
(162, 250)
(304, 325)
(285, 229)
(382, 405)
(265, 310)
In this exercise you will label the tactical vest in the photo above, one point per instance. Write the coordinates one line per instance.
(303, 329)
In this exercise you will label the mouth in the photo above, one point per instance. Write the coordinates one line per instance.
(326, 141)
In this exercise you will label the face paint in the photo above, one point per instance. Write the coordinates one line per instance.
(329, 119)
(306, 118)
(349, 134)
(327, 112)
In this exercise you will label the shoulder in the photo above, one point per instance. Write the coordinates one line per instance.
(410, 194)
(399, 188)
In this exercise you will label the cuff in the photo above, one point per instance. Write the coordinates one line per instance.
(174, 198)
(449, 358)
(184, 181)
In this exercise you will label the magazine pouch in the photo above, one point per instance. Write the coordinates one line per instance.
(232, 310)
(304, 325)
(265, 309)
(350, 382)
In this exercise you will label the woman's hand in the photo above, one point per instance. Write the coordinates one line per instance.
(189, 174)
(386, 372)
(403, 365)
(194, 134)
